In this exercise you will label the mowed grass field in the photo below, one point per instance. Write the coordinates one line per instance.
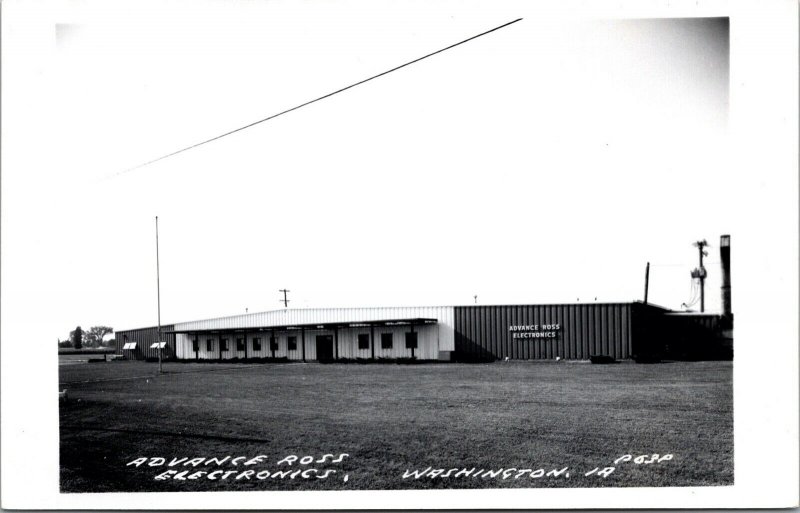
(392, 419)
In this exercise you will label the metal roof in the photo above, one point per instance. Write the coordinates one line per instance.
(314, 326)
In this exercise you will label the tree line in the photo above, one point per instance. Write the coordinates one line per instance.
(93, 338)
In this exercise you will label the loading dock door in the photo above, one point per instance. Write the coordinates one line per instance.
(324, 348)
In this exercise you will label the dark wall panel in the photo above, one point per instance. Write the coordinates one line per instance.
(647, 327)
(585, 326)
(144, 337)
(696, 336)
(482, 332)
(569, 341)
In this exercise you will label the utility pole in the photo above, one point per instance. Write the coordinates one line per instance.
(285, 301)
(158, 294)
(476, 298)
(700, 273)
(646, 281)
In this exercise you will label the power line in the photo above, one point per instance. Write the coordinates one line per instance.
(693, 295)
(317, 99)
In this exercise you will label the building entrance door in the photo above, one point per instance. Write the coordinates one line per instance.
(324, 348)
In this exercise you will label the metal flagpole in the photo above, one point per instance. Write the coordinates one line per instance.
(158, 292)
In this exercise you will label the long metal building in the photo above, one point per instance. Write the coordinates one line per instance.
(454, 333)
(635, 330)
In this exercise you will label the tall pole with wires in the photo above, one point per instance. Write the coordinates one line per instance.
(158, 295)
(285, 300)
(700, 273)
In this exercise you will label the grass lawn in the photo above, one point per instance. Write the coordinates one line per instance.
(391, 419)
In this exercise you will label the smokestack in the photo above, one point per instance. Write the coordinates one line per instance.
(725, 258)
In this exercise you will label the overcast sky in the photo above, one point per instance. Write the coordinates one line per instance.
(545, 162)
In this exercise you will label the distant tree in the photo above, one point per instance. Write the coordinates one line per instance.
(77, 337)
(110, 342)
(94, 337)
(64, 343)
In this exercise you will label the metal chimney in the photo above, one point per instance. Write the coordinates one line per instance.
(725, 258)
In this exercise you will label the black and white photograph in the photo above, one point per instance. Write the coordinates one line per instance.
(445, 254)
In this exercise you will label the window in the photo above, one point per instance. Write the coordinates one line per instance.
(240, 344)
(195, 345)
(223, 344)
(363, 341)
(292, 343)
(411, 340)
(273, 344)
(386, 340)
(256, 344)
(210, 344)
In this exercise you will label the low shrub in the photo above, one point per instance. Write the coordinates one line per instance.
(601, 358)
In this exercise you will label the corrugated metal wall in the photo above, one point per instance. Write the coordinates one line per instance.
(347, 344)
(290, 316)
(482, 332)
(692, 336)
(144, 337)
(648, 330)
